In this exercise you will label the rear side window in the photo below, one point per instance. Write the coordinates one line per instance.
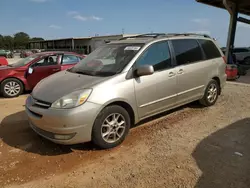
(210, 50)
(70, 59)
(187, 51)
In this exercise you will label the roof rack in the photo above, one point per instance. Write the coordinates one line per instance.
(188, 34)
(158, 35)
(147, 35)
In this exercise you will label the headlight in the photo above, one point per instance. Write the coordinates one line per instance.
(72, 100)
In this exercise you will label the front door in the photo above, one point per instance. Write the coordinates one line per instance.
(43, 68)
(191, 69)
(156, 92)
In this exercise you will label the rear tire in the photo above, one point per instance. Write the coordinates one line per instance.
(111, 127)
(211, 94)
(11, 88)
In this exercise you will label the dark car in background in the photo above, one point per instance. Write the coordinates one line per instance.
(242, 54)
(25, 53)
(26, 73)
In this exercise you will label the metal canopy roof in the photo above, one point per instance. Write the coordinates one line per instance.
(244, 5)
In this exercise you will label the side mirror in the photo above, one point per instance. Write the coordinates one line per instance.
(30, 70)
(144, 70)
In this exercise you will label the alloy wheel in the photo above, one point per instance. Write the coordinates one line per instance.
(113, 127)
(212, 93)
(12, 88)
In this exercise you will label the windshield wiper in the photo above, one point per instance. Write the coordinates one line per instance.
(85, 73)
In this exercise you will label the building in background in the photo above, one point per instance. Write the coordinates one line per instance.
(83, 45)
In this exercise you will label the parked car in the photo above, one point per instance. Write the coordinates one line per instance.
(242, 54)
(36, 51)
(3, 61)
(124, 82)
(26, 73)
(6, 53)
(25, 53)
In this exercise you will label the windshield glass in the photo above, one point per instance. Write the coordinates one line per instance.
(107, 60)
(24, 61)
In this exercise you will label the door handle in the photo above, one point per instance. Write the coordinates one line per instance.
(55, 70)
(180, 71)
(171, 74)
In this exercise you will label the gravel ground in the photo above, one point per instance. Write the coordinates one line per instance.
(188, 147)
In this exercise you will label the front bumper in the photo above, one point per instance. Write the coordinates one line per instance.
(63, 126)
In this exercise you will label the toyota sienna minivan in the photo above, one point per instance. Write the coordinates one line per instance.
(124, 82)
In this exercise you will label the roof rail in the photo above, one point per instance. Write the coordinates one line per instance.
(187, 34)
(157, 35)
(150, 35)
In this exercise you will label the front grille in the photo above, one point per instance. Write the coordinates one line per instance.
(35, 114)
(41, 104)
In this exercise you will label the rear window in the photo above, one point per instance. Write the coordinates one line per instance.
(187, 51)
(210, 50)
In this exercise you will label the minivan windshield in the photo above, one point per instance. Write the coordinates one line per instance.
(24, 61)
(107, 60)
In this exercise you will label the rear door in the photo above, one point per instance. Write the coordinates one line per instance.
(69, 60)
(43, 68)
(190, 68)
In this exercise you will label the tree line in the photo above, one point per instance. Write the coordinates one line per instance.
(17, 41)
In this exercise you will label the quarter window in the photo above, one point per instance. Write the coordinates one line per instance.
(157, 55)
(210, 50)
(187, 51)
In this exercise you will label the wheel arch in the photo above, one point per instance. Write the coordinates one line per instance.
(217, 79)
(14, 78)
(126, 106)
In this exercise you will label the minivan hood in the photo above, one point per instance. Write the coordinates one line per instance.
(60, 84)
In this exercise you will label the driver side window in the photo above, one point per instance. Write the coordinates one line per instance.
(157, 55)
(46, 61)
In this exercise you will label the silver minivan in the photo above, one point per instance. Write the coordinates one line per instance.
(124, 82)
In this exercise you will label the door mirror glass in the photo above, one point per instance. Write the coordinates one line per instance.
(30, 70)
(144, 70)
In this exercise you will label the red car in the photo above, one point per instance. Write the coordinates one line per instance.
(26, 73)
(3, 61)
(25, 53)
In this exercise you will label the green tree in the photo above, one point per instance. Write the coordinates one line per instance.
(21, 40)
(8, 42)
(36, 39)
(1, 41)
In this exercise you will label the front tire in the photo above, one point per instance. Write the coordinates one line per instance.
(11, 88)
(211, 94)
(111, 127)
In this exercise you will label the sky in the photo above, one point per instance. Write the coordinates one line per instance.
(52, 19)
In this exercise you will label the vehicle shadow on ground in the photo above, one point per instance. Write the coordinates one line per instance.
(195, 105)
(224, 157)
(16, 132)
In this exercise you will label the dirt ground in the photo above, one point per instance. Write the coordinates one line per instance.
(188, 147)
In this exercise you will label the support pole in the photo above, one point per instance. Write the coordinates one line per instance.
(232, 30)
(72, 44)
